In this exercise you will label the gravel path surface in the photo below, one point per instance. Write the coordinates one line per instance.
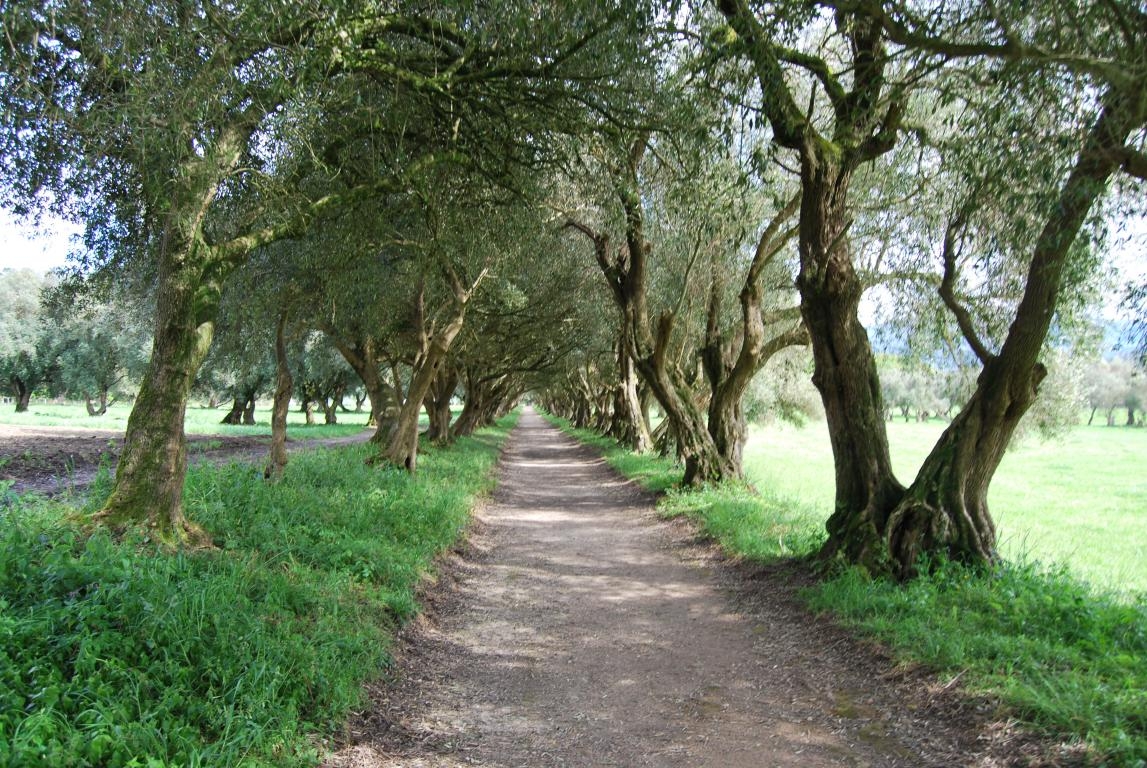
(580, 630)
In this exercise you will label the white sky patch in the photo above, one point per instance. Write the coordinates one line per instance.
(39, 248)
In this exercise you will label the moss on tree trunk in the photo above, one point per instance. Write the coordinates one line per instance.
(148, 489)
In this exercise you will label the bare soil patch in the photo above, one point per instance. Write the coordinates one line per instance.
(576, 628)
(51, 460)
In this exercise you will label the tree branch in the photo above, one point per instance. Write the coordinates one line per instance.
(947, 288)
(1133, 162)
(769, 244)
(1011, 49)
(788, 123)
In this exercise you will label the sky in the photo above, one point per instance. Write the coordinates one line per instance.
(23, 246)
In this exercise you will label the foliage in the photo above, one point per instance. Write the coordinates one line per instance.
(1064, 659)
(28, 352)
(118, 654)
(102, 350)
(784, 391)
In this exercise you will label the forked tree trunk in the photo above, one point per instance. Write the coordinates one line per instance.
(945, 511)
(100, 409)
(438, 404)
(330, 411)
(629, 428)
(362, 357)
(473, 406)
(844, 368)
(402, 451)
(249, 410)
(729, 371)
(235, 415)
(277, 461)
(695, 446)
(625, 272)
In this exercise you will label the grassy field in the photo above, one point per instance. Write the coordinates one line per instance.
(116, 654)
(199, 420)
(1080, 501)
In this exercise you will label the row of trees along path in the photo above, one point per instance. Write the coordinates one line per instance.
(583, 632)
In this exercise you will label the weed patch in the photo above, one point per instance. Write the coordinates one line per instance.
(117, 654)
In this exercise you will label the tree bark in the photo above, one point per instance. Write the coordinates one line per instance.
(472, 406)
(628, 428)
(402, 451)
(23, 394)
(729, 375)
(149, 477)
(945, 511)
(277, 461)
(438, 404)
(102, 408)
(249, 410)
(235, 415)
(625, 272)
(844, 367)
(148, 486)
(362, 356)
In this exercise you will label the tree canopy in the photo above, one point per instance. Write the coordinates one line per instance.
(618, 207)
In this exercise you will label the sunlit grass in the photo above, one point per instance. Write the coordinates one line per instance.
(1080, 500)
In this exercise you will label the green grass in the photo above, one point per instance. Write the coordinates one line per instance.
(1080, 501)
(251, 654)
(199, 420)
(1064, 658)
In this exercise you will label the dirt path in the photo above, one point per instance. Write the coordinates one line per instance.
(583, 632)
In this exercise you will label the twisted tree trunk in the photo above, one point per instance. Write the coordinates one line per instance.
(946, 510)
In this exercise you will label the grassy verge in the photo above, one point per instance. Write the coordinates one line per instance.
(742, 520)
(1063, 658)
(115, 654)
(1077, 500)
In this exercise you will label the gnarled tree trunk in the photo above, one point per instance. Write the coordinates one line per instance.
(945, 511)
(629, 427)
(845, 368)
(435, 344)
(438, 404)
(151, 470)
(23, 394)
(362, 356)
